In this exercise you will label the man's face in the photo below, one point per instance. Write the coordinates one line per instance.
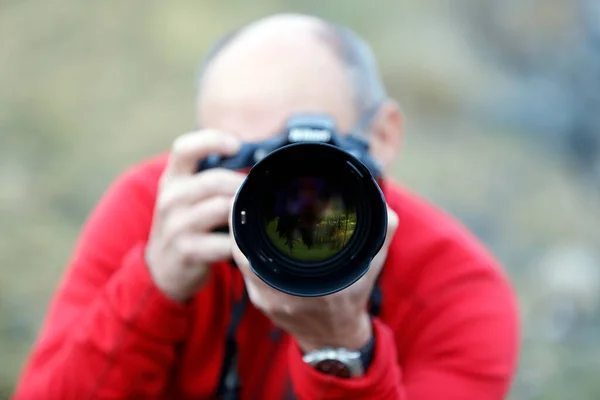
(270, 73)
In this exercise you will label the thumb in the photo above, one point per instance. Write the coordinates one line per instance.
(392, 227)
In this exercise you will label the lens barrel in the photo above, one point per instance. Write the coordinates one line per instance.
(309, 217)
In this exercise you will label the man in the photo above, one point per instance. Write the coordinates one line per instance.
(146, 305)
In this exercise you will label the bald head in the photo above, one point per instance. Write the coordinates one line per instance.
(290, 63)
(255, 78)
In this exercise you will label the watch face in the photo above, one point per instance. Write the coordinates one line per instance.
(334, 367)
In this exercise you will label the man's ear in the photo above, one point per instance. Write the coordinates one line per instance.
(386, 133)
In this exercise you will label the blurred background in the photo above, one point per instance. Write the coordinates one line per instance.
(502, 101)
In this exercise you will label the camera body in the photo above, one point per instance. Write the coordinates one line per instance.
(313, 128)
(310, 215)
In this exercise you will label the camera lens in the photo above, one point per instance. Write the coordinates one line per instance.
(309, 217)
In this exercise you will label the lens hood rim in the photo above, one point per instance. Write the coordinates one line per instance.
(360, 250)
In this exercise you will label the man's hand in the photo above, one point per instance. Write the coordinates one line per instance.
(189, 206)
(339, 320)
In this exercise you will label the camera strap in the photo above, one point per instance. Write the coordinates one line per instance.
(229, 383)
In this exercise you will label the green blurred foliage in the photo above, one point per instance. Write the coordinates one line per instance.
(88, 88)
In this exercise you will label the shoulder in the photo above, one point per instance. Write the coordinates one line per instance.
(144, 174)
(137, 185)
(128, 202)
(423, 225)
(449, 303)
(431, 249)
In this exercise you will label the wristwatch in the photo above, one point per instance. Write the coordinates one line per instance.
(341, 362)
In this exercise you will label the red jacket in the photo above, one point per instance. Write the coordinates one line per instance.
(448, 328)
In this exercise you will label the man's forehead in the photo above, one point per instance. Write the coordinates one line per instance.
(276, 66)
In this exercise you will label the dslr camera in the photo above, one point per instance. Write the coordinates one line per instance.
(310, 215)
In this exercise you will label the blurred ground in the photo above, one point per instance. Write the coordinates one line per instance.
(500, 132)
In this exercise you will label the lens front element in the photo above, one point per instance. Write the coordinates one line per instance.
(309, 219)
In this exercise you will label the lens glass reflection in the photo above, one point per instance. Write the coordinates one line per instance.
(309, 219)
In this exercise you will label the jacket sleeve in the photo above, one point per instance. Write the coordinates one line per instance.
(463, 347)
(109, 332)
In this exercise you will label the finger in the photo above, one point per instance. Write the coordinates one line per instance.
(255, 295)
(376, 265)
(204, 248)
(230, 220)
(392, 227)
(379, 259)
(189, 189)
(366, 282)
(189, 148)
(202, 217)
(243, 265)
(236, 249)
(240, 259)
